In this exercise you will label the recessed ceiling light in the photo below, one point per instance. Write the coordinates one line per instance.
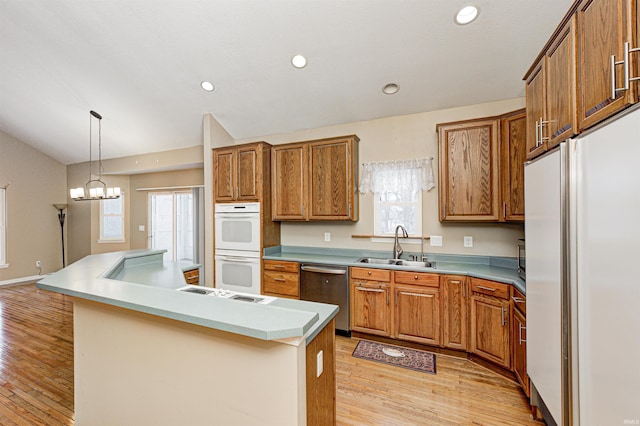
(207, 86)
(467, 15)
(390, 89)
(299, 61)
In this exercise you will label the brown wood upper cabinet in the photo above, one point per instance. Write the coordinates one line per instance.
(513, 154)
(551, 98)
(604, 26)
(316, 180)
(481, 171)
(240, 171)
(588, 71)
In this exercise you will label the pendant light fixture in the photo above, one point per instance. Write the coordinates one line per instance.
(95, 188)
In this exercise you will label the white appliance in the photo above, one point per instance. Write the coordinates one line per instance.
(238, 226)
(237, 249)
(582, 229)
(237, 271)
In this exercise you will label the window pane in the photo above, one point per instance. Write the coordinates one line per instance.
(112, 227)
(398, 197)
(391, 216)
(110, 207)
(184, 226)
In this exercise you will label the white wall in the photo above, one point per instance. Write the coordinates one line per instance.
(398, 138)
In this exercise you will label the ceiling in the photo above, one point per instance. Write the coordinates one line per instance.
(139, 63)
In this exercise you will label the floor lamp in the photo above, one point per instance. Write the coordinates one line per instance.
(61, 216)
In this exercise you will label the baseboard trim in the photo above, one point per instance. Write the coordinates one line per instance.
(23, 280)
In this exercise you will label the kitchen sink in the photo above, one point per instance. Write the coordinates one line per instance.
(398, 262)
(377, 261)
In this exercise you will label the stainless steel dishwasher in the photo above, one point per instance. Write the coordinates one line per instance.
(328, 284)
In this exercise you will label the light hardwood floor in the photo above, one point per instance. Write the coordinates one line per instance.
(36, 377)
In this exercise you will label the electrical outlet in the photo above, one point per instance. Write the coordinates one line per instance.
(38, 264)
(327, 236)
(435, 241)
(468, 241)
(141, 228)
(319, 364)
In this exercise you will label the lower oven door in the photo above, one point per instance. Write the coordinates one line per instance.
(236, 273)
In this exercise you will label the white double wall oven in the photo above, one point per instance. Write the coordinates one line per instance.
(237, 247)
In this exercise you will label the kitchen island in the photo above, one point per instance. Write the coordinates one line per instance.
(145, 353)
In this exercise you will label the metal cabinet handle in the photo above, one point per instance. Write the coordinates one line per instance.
(537, 133)
(517, 299)
(281, 280)
(520, 339)
(504, 209)
(371, 290)
(454, 281)
(324, 270)
(486, 288)
(503, 316)
(625, 64)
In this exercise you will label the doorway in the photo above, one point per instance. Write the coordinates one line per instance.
(171, 224)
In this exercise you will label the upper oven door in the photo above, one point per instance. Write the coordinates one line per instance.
(237, 230)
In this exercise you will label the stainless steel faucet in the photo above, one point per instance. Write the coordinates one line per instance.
(397, 250)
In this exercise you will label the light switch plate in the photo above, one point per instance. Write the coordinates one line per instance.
(141, 228)
(327, 236)
(468, 241)
(435, 241)
(319, 364)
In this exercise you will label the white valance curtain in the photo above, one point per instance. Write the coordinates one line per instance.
(388, 176)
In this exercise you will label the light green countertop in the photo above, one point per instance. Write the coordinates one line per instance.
(140, 281)
(486, 267)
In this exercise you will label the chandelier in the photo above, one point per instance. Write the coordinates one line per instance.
(95, 188)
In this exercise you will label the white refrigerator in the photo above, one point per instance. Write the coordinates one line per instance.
(582, 231)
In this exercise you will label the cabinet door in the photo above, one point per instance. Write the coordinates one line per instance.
(603, 28)
(289, 182)
(417, 314)
(514, 154)
(490, 329)
(331, 180)
(370, 309)
(519, 338)
(248, 170)
(224, 174)
(535, 91)
(455, 328)
(560, 120)
(468, 181)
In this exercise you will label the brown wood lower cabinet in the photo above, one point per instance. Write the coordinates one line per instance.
(370, 308)
(321, 390)
(490, 329)
(519, 339)
(450, 311)
(281, 279)
(417, 314)
(455, 316)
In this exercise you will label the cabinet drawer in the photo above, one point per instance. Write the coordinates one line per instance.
(276, 265)
(383, 275)
(490, 288)
(519, 301)
(281, 283)
(416, 278)
(193, 273)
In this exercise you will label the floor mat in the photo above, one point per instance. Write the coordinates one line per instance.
(396, 355)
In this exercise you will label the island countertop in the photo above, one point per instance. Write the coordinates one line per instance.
(139, 280)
